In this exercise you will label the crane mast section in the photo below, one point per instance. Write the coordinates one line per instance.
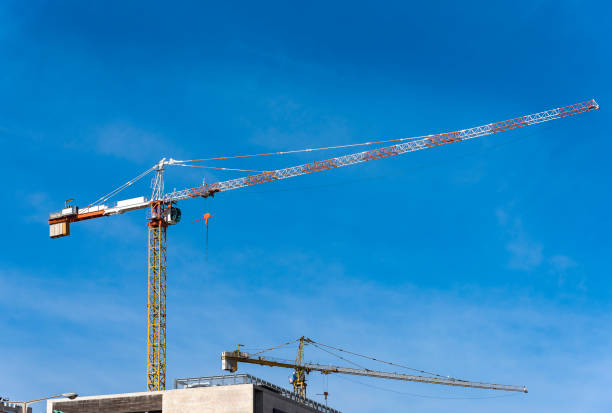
(398, 149)
(235, 357)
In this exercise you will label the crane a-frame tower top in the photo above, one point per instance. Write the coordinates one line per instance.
(162, 210)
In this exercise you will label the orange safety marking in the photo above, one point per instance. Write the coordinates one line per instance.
(78, 217)
(508, 124)
(380, 153)
(320, 165)
(205, 218)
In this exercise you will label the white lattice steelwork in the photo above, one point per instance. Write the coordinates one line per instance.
(398, 149)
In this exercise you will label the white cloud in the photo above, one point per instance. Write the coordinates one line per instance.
(561, 263)
(527, 254)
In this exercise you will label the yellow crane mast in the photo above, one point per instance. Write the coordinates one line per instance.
(299, 379)
(156, 303)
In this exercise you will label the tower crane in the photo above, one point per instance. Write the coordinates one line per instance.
(163, 212)
(230, 360)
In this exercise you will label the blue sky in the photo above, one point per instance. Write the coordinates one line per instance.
(486, 260)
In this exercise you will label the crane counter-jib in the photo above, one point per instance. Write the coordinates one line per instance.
(59, 222)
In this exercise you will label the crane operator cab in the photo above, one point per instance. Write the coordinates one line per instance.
(172, 215)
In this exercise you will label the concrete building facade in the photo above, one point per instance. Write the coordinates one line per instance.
(239, 393)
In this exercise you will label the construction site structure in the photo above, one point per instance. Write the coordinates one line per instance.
(163, 211)
(230, 360)
(235, 393)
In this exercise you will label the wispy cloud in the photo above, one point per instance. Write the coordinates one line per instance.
(561, 263)
(524, 254)
(527, 254)
(123, 140)
(560, 266)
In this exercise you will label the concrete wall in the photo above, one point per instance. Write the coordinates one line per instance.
(239, 398)
(112, 403)
(218, 399)
(272, 401)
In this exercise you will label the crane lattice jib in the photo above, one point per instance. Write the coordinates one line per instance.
(329, 369)
(398, 149)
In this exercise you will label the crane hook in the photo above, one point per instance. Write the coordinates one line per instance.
(206, 217)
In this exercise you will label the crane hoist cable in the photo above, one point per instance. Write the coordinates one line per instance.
(336, 355)
(425, 396)
(121, 188)
(205, 218)
(276, 347)
(351, 145)
(381, 361)
(535, 118)
(219, 168)
(184, 164)
(401, 172)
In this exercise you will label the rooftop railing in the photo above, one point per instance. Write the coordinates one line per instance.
(233, 379)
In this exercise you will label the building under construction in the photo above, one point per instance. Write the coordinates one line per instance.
(236, 393)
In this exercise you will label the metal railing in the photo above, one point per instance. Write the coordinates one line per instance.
(232, 379)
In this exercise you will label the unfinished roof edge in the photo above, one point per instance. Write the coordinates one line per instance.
(233, 379)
